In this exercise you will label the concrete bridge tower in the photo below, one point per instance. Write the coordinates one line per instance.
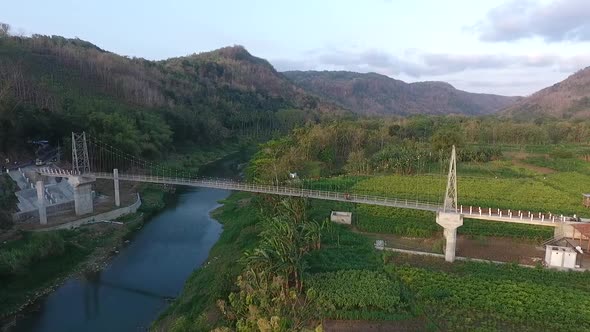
(449, 218)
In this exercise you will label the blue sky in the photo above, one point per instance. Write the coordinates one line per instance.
(512, 47)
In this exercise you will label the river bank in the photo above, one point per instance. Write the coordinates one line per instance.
(195, 309)
(86, 250)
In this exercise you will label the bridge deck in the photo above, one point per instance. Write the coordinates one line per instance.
(299, 192)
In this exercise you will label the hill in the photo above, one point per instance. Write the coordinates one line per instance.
(569, 98)
(50, 85)
(379, 95)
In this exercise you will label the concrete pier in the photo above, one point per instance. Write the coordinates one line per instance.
(450, 222)
(564, 229)
(116, 182)
(83, 201)
(41, 202)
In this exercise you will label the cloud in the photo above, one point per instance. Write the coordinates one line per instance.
(418, 64)
(558, 20)
(500, 73)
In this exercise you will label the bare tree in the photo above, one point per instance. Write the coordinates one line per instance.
(4, 29)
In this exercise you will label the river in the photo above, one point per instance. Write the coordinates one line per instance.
(139, 282)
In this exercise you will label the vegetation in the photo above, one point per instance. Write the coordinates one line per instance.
(50, 86)
(373, 93)
(416, 145)
(346, 292)
(16, 260)
(30, 265)
(346, 279)
(8, 200)
(270, 288)
(470, 296)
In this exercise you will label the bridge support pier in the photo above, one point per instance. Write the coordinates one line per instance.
(564, 229)
(450, 222)
(41, 202)
(116, 182)
(83, 200)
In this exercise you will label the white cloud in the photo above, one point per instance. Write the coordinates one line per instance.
(558, 20)
(512, 74)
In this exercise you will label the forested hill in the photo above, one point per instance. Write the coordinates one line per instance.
(378, 94)
(50, 86)
(569, 98)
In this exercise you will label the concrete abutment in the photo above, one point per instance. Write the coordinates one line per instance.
(83, 200)
(450, 222)
(41, 202)
(116, 185)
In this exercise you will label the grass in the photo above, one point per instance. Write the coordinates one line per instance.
(33, 263)
(8, 200)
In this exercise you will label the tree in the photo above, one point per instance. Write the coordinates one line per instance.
(4, 29)
(270, 296)
(444, 139)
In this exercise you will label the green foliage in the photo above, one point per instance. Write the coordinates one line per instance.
(444, 138)
(37, 260)
(502, 229)
(33, 248)
(270, 288)
(349, 290)
(528, 194)
(491, 297)
(8, 200)
(53, 85)
(405, 222)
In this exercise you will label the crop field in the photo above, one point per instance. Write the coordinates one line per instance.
(356, 294)
(529, 194)
(471, 296)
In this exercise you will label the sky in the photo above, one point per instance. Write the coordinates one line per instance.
(509, 47)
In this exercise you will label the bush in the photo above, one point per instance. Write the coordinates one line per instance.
(351, 290)
(32, 248)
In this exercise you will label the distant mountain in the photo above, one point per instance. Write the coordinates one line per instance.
(380, 95)
(569, 98)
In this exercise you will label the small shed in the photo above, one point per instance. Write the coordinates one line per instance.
(341, 217)
(558, 256)
(586, 200)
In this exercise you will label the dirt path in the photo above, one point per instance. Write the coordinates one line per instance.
(415, 324)
(501, 249)
(518, 160)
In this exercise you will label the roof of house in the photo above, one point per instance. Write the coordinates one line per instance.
(583, 228)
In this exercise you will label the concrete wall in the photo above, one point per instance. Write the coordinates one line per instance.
(341, 217)
(564, 229)
(83, 201)
(52, 210)
(110, 215)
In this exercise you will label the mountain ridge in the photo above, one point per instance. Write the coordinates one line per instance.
(569, 98)
(377, 94)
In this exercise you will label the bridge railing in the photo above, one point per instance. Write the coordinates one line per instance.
(471, 211)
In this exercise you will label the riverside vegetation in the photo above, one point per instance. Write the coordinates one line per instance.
(345, 278)
(33, 262)
(439, 295)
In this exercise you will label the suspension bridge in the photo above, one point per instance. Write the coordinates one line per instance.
(93, 159)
